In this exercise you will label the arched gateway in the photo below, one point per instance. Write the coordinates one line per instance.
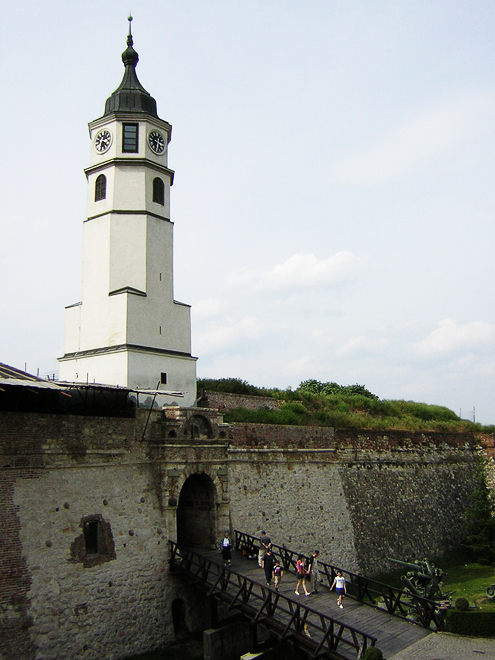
(196, 520)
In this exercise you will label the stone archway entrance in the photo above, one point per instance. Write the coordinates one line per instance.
(196, 524)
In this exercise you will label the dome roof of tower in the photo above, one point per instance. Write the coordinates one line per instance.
(130, 95)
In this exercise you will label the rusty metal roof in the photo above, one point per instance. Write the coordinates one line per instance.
(12, 376)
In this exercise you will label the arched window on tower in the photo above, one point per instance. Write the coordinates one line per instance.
(100, 187)
(158, 191)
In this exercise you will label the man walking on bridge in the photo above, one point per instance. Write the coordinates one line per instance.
(314, 573)
(265, 543)
(267, 565)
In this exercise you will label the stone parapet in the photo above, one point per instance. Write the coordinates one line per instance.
(225, 402)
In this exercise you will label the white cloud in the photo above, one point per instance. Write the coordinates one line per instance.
(301, 271)
(364, 346)
(288, 304)
(412, 145)
(223, 333)
(450, 338)
(208, 308)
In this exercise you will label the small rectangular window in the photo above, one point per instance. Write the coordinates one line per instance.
(130, 138)
(163, 378)
(91, 536)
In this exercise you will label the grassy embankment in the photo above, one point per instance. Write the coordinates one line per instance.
(342, 409)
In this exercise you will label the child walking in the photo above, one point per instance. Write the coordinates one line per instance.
(278, 574)
(340, 588)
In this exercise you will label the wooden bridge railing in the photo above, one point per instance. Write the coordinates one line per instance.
(321, 635)
(395, 601)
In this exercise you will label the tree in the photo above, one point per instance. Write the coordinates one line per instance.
(316, 387)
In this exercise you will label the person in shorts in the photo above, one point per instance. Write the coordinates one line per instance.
(301, 575)
(340, 588)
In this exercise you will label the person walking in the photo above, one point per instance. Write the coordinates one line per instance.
(226, 548)
(265, 543)
(301, 576)
(340, 588)
(278, 574)
(314, 574)
(267, 564)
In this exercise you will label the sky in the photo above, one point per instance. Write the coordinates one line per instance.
(334, 197)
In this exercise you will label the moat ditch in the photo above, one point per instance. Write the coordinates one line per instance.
(190, 647)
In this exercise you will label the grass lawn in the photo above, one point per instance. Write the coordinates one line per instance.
(464, 580)
(471, 581)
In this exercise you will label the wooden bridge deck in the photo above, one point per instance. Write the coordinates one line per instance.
(392, 633)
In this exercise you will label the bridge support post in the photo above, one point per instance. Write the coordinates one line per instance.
(228, 642)
(215, 622)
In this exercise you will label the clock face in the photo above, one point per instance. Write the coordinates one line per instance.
(103, 140)
(156, 142)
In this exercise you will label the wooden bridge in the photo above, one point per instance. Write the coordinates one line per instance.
(374, 613)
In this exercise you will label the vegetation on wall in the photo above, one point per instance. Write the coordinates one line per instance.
(231, 386)
(342, 406)
(479, 541)
(316, 387)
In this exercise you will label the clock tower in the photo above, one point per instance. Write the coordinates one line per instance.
(128, 330)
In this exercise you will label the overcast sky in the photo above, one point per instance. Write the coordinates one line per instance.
(334, 197)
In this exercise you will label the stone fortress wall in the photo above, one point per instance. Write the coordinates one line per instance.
(224, 401)
(358, 498)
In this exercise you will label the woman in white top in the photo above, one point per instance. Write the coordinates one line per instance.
(340, 588)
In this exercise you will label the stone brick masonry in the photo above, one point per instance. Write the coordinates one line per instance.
(357, 497)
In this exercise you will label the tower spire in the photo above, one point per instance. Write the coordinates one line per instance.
(130, 95)
(130, 41)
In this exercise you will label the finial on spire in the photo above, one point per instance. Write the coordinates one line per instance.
(129, 36)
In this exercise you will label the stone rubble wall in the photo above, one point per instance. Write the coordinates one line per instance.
(488, 444)
(357, 497)
(224, 402)
(52, 605)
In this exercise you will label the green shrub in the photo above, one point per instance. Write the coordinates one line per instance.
(231, 386)
(295, 407)
(462, 604)
(373, 653)
(285, 416)
(315, 387)
(472, 623)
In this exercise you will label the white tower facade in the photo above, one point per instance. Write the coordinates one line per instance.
(128, 330)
